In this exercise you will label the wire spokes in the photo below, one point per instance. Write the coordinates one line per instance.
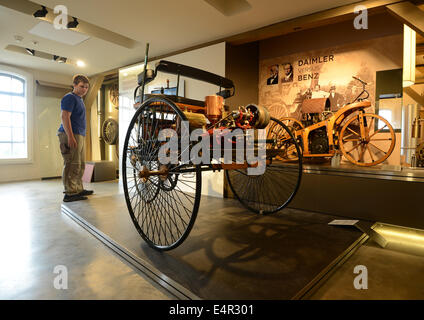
(275, 188)
(163, 208)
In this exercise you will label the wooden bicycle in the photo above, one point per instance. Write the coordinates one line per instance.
(357, 134)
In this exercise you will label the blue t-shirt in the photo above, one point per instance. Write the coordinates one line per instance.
(74, 104)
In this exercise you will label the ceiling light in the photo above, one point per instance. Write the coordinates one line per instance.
(30, 51)
(72, 24)
(41, 13)
(46, 30)
(80, 63)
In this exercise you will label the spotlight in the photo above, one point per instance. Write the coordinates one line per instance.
(72, 24)
(30, 51)
(80, 63)
(55, 57)
(62, 60)
(41, 13)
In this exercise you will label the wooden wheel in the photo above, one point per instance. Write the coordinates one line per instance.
(362, 144)
(293, 124)
(290, 149)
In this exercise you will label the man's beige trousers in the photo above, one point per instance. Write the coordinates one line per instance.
(74, 163)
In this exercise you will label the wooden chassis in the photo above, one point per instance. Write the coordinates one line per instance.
(334, 127)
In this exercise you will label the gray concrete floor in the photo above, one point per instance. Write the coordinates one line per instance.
(392, 275)
(35, 238)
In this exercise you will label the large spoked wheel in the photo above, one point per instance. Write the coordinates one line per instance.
(291, 151)
(275, 188)
(162, 207)
(362, 144)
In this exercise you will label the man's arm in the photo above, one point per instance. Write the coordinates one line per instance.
(66, 121)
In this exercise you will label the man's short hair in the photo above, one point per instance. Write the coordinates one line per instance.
(80, 78)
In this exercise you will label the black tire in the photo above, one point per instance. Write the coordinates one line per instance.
(163, 212)
(277, 186)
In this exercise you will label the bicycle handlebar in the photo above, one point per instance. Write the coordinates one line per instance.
(361, 81)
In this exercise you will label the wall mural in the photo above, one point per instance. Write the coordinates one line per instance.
(286, 81)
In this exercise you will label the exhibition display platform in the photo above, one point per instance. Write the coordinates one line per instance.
(230, 253)
(373, 194)
(384, 172)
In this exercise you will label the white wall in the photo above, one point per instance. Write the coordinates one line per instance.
(47, 116)
(42, 111)
(211, 59)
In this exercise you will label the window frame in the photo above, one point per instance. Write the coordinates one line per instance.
(28, 94)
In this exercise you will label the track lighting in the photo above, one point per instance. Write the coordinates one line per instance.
(72, 24)
(30, 51)
(41, 13)
(59, 59)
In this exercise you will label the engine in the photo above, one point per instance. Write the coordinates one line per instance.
(318, 141)
(249, 117)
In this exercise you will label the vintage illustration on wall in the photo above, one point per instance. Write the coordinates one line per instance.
(325, 73)
(320, 89)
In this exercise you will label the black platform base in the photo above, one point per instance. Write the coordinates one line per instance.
(230, 253)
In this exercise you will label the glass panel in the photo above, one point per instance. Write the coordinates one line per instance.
(5, 150)
(5, 102)
(5, 119)
(5, 83)
(18, 104)
(18, 135)
(19, 150)
(391, 109)
(17, 86)
(18, 120)
(387, 114)
(6, 134)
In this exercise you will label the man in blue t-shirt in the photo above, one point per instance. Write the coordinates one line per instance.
(72, 140)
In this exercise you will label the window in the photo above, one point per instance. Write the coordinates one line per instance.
(13, 115)
(388, 92)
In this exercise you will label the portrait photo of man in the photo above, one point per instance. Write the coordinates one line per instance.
(288, 72)
(273, 79)
(336, 99)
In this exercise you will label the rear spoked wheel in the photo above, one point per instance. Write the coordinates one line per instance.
(275, 188)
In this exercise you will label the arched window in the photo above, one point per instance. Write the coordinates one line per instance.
(13, 117)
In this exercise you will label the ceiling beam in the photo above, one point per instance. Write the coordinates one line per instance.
(314, 20)
(53, 84)
(409, 14)
(28, 7)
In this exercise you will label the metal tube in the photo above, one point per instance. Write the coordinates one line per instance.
(144, 71)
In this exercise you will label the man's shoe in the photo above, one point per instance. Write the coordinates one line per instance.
(86, 193)
(75, 197)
